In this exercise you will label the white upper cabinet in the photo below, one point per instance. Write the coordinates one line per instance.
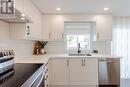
(19, 31)
(103, 28)
(34, 28)
(25, 7)
(53, 27)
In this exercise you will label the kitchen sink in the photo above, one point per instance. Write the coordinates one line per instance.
(80, 55)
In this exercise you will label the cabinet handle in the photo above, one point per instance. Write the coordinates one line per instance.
(62, 35)
(67, 62)
(46, 71)
(46, 64)
(28, 32)
(49, 35)
(97, 35)
(47, 85)
(84, 62)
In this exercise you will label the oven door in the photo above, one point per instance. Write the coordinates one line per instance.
(6, 65)
(37, 79)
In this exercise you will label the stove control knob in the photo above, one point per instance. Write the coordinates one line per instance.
(1, 54)
(10, 53)
(5, 54)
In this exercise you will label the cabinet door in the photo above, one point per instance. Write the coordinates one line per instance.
(59, 71)
(36, 27)
(18, 31)
(76, 72)
(104, 28)
(91, 71)
(53, 26)
(57, 28)
(46, 27)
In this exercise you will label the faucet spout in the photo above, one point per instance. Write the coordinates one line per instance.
(79, 50)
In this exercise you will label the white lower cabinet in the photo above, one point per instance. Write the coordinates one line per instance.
(75, 71)
(90, 72)
(59, 71)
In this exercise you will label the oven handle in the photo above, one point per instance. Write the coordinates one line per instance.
(38, 81)
(35, 77)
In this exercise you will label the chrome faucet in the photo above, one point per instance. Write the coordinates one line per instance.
(79, 50)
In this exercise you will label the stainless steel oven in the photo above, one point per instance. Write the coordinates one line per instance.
(6, 60)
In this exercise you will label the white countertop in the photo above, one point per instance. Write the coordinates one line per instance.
(44, 58)
(32, 59)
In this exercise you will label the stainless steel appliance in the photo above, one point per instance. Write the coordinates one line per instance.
(109, 72)
(6, 60)
(20, 74)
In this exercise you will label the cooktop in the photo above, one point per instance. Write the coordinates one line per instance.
(19, 74)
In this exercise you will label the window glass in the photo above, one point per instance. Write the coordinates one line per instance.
(78, 33)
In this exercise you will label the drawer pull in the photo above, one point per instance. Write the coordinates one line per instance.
(84, 62)
(47, 85)
(46, 77)
(46, 71)
(46, 64)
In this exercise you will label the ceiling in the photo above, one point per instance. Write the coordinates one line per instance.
(117, 7)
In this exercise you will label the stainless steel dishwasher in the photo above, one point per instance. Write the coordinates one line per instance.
(109, 72)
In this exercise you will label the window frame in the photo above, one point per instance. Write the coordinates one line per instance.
(91, 36)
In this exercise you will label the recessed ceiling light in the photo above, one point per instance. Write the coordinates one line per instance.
(106, 9)
(23, 18)
(58, 9)
(22, 15)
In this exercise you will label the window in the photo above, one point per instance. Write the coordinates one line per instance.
(73, 40)
(78, 33)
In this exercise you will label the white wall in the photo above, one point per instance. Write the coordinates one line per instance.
(59, 47)
(21, 47)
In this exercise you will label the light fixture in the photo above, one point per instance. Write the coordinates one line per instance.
(106, 9)
(58, 9)
(22, 15)
(23, 18)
